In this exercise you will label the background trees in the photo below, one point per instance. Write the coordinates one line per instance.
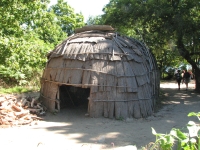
(29, 29)
(165, 25)
(67, 19)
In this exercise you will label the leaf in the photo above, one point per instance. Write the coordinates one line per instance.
(192, 114)
(174, 132)
(153, 131)
(179, 134)
(193, 140)
(193, 129)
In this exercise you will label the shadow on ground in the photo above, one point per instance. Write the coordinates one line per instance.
(76, 127)
(71, 128)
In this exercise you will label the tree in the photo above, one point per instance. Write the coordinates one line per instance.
(48, 29)
(66, 18)
(97, 20)
(27, 34)
(28, 31)
(162, 21)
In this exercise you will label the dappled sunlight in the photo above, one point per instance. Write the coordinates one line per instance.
(181, 96)
(178, 96)
(57, 134)
(113, 134)
(170, 121)
(72, 129)
(166, 94)
(78, 129)
(75, 135)
(101, 137)
(191, 103)
(175, 102)
(53, 124)
(170, 85)
(174, 85)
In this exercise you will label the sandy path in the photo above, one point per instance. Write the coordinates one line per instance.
(71, 129)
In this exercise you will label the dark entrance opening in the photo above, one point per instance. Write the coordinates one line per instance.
(71, 96)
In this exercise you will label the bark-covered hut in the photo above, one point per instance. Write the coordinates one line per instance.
(115, 75)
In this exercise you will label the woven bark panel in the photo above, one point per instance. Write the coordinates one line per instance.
(52, 92)
(142, 79)
(120, 110)
(105, 110)
(96, 109)
(143, 110)
(103, 46)
(46, 89)
(87, 39)
(45, 102)
(75, 72)
(55, 63)
(44, 94)
(136, 109)
(57, 51)
(73, 53)
(110, 81)
(138, 68)
(67, 48)
(149, 106)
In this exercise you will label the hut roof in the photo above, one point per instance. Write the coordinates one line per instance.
(100, 44)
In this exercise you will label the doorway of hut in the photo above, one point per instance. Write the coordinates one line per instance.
(73, 97)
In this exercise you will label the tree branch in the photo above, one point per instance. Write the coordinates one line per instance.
(185, 53)
(194, 53)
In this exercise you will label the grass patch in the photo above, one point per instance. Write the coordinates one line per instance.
(18, 89)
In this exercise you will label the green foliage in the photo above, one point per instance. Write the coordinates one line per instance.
(21, 57)
(17, 89)
(66, 18)
(194, 114)
(95, 20)
(28, 31)
(169, 28)
(47, 28)
(178, 139)
(120, 118)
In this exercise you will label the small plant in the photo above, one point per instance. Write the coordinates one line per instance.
(177, 139)
(54, 113)
(17, 89)
(120, 118)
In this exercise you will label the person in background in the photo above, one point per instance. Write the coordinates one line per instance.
(182, 74)
(186, 78)
(191, 75)
(178, 77)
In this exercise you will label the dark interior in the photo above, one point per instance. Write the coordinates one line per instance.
(71, 96)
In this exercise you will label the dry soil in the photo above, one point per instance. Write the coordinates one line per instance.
(71, 129)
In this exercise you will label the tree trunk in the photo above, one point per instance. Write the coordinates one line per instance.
(186, 55)
(197, 79)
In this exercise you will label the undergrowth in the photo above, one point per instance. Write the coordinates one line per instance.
(18, 89)
(31, 85)
(178, 139)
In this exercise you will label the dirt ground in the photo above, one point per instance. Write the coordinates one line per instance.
(72, 129)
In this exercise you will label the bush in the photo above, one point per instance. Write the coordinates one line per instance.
(178, 139)
(22, 58)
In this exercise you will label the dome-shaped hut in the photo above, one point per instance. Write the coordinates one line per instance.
(115, 75)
